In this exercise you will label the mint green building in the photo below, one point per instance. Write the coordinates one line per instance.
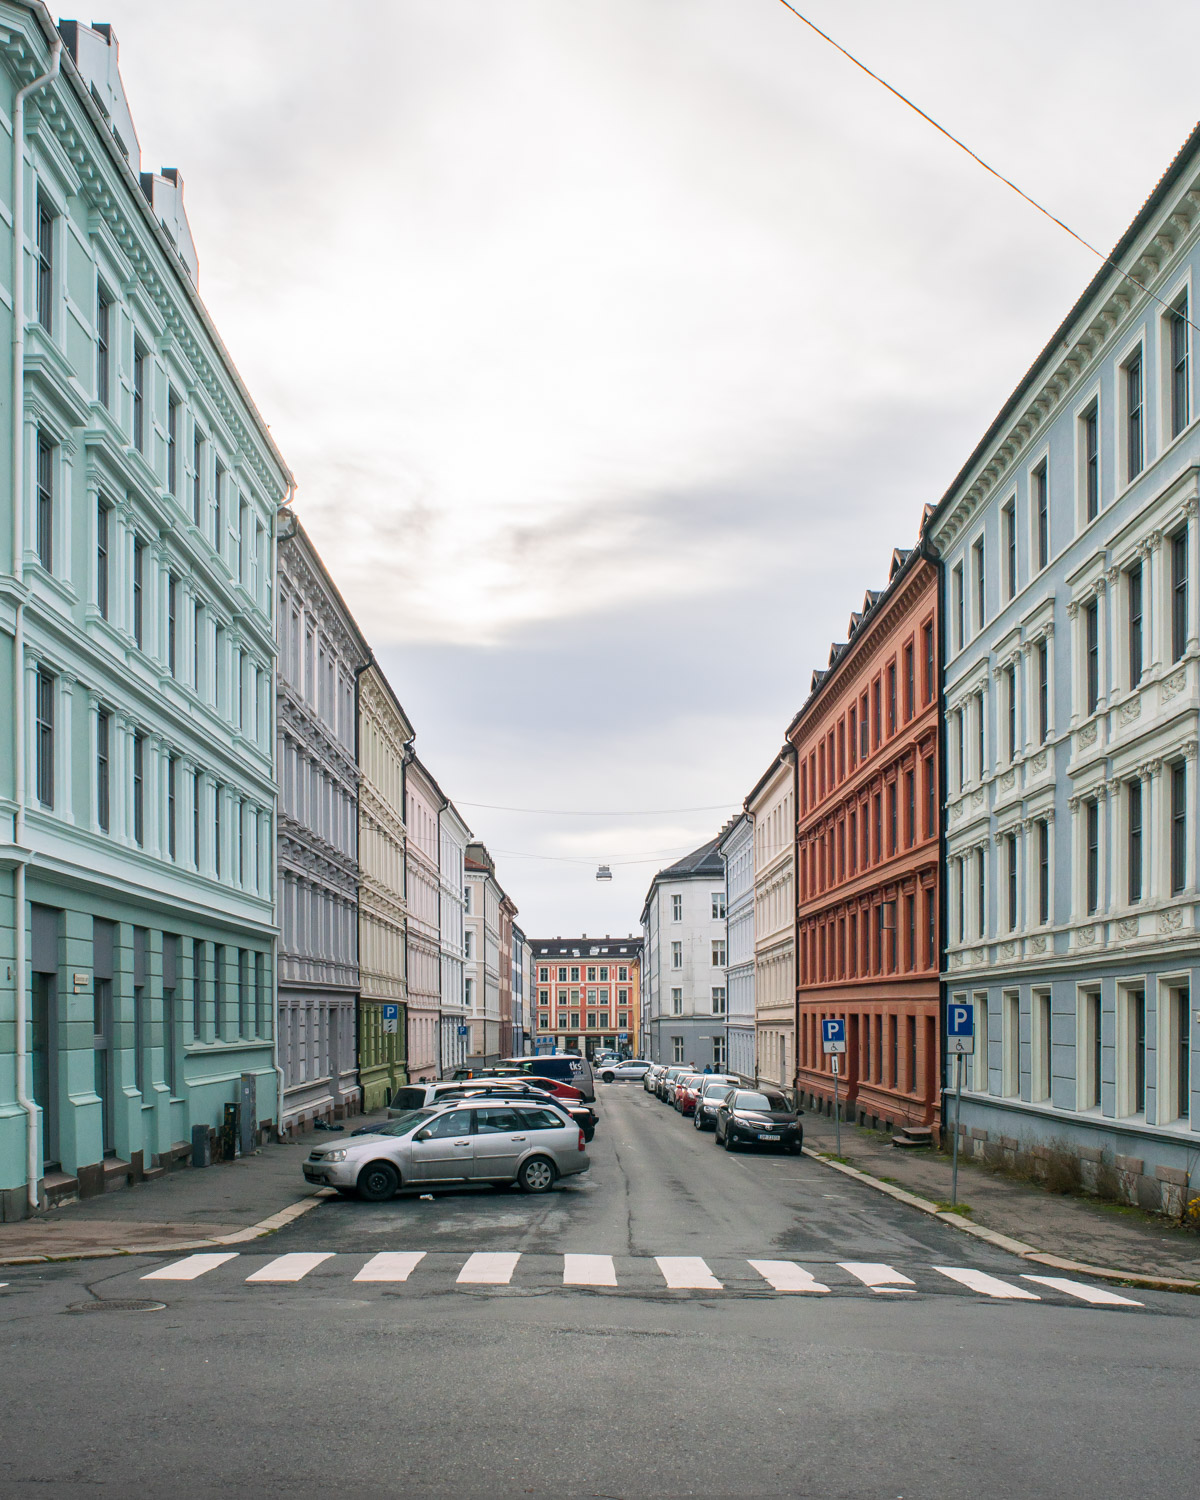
(138, 495)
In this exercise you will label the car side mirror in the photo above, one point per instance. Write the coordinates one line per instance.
(423, 1135)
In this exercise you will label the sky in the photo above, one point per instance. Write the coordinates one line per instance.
(614, 345)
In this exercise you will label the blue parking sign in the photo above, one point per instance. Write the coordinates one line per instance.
(960, 1028)
(391, 1019)
(833, 1035)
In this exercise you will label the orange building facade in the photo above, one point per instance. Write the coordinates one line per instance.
(867, 855)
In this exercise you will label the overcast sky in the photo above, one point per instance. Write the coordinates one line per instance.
(615, 343)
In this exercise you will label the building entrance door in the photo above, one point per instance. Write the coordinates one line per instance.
(102, 1052)
(44, 1064)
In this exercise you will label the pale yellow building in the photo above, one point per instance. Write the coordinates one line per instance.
(772, 806)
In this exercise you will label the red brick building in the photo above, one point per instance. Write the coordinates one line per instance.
(867, 858)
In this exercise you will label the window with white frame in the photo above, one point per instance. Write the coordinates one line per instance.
(1131, 1050)
(980, 1079)
(1040, 490)
(1008, 527)
(677, 1002)
(1010, 1065)
(1133, 382)
(718, 953)
(1089, 456)
(1174, 1092)
(718, 1000)
(1089, 1049)
(979, 582)
(1179, 345)
(1040, 1059)
(677, 1049)
(676, 908)
(957, 607)
(677, 955)
(718, 905)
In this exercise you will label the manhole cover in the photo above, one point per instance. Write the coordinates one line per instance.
(132, 1304)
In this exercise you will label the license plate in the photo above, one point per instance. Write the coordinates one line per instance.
(768, 1137)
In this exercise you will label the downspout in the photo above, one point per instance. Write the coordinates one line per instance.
(789, 753)
(24, 1098)
(275, 1063)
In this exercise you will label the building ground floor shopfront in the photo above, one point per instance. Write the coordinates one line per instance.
(318, 1052)
(382, 1051)
(890, 1074)
(144, 1019)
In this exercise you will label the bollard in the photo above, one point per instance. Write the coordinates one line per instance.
(201, 1146)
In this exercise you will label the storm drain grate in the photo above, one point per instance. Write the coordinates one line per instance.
(131, 1304)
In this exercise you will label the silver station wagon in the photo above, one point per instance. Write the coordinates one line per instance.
(468, 1140)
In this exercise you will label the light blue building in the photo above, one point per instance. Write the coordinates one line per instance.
(1071, 614)
(137, 526)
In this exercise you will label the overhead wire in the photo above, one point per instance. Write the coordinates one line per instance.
(575, 812)
(987, 167)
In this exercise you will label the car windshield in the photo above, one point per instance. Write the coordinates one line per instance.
(404, 1123)
(774, 1103)
(716, 1086)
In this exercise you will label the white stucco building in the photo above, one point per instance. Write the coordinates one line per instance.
(772, 807)
(423, 803)
(453, 837)
(737, 850)
(482, 960)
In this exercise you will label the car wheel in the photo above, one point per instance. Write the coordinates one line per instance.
(696, 1120)
(377, 1182)
(728, 1141)
(537, 1175)
(607, 1077)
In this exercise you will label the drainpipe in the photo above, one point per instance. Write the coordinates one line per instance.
(275, 1063)
(24, 1098)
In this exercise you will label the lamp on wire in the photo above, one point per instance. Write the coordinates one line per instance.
(604, 873)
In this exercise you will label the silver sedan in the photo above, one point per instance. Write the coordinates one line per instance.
(532, 1144)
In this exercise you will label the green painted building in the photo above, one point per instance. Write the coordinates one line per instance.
(138, 495)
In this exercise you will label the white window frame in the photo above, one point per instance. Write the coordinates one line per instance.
(1087, 1085)
(1010, 1036)
(1041, 1046)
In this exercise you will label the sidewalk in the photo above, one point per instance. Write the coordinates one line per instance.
(190, 1209)
(1059, 1228)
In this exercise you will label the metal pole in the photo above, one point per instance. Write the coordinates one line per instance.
(837, 1103)
(957, 1112)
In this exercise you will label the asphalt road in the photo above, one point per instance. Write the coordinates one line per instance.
(934, 1385)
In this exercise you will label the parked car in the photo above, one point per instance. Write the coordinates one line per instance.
(713, 1089)
(758, 1117)
(632, 1067)
(650, 1082)
(566, 1067)
(469, 1140)
(671, 1082)
(426, 1095)
(687, 1089)
(667, 1078)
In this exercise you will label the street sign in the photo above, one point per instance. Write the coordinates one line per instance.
(391, 1019)
(622, 1036)
(833, 1035)
(464, 1031)
(960, 1029)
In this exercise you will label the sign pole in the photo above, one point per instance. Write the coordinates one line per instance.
(837, 1104)
(957, 1112)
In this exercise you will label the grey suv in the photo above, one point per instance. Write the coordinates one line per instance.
(469, 1140)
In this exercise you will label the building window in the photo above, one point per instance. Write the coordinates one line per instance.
(977, 557)
(1179, 594)
(44, 534)
(1043, 855)
(910, 681)
(197, 637)
(139, 397)
(139, 563)
(980, 1079)
(957, 607)
(1041, 513)
(218, 793)
(677, 955)
(1178, 827)
(102, 559)
(1134, 586)
(1134, 417)
(718, 906)
(1134, 807)
(891, 699)
(1178, 1090)
(1133, 1044)
(892, 817)
(981, 893)
(910, 804)
(1091, 647)
(1043, 691)
(929, 662)
(677, 1049)
(1091, 461)
(1010, 846)
(44, 729)
(218, 507)
(172, 441)
(1090, 1050)
(677, 1002)
(676, 908)
(172, 776)
(718, 1000)
(1180, 367)
(930, 799)
(979, 735)
(1010, 1044)
(139, 789)
(718, 953)
(1010, 681)
(102, 351)
(45, 265)
(960, 870)
(197, 474)
(1092, 843)
(103, 733)
(172, 613)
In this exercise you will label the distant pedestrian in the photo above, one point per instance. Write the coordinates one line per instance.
(708, 1067)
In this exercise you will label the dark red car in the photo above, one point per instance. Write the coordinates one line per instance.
(687, 1091)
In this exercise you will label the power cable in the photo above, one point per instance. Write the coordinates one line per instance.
(574, 812)
(999, 176)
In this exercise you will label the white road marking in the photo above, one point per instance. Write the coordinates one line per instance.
(589, 1270)
(391, 1265)
(877, 1276)
(290, 1267)
(1101, 1296)
(687, 1273)
(989, 1286)
(190, 1267)
(787, 1276)
(489, 1268)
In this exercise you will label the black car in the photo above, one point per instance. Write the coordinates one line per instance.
(758, 1117)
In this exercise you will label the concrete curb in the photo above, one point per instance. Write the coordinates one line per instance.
(269, 1225)
(1004, 1241)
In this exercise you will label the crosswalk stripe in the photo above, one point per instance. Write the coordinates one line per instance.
(1101, 1296)
(589, 1270)
(486, 1268)
(190, 1267)
(687, 1273)
(990, 1286)
(290, 1267)
(877, 1276)
(391, 1265)
(787, 1276)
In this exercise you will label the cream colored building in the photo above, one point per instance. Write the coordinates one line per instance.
(424, 969)
(772, 806)
(384, 734)
(482, 937)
